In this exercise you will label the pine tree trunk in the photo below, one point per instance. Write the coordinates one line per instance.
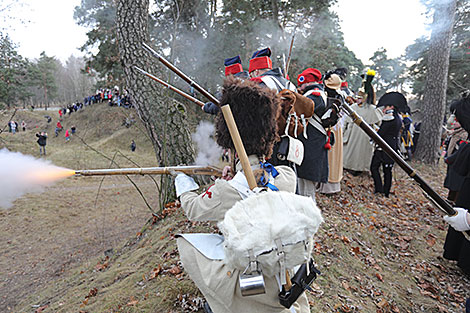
(434, 99)
(163, 117)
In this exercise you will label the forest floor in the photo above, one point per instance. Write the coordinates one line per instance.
(79, 247)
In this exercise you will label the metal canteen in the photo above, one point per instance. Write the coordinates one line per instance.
(252, 284)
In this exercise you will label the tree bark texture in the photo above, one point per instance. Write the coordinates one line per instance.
(163, 117)
(434, 99)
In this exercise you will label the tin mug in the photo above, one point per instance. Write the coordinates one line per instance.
(252, 284)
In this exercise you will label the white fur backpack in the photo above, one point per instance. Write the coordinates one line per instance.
(272, 229)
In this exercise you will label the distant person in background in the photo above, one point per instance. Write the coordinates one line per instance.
(407, 135)
(225, 155)
(453, 181)
(73, 129)
(60, 113)
(67, 135)
(42, 140)
(416, 132)
(13, 127)
(58, 128)
(358, 148)
(133, 146)
(23, 125)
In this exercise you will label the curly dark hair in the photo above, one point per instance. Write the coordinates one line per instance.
(255, 110)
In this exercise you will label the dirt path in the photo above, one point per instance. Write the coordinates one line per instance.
(44, 234)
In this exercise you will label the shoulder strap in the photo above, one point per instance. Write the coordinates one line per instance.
(316, 92)
(315, 122)
(274, 83)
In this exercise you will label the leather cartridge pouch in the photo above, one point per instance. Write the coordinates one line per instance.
(301, 280)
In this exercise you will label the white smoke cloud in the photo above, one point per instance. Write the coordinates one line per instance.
(208, 150)
(21, 174)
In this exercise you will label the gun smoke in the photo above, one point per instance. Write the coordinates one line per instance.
(21, 174)
(208, 152)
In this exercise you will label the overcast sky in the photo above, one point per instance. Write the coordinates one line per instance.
(367, 25)
(371, 24)
(51, 28)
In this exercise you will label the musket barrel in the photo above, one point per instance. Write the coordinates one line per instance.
(191, 170)
(180, 92)
(178, 72)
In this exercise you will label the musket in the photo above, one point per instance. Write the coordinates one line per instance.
(226, 112)
(180, 92)
(178, 72)
(435, 198)
(167, 170)
(290, 52)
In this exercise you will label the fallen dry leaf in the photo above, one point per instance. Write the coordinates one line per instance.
(40, 309)
(379, 276)
(175, 270)
(132, 301)
(154, 273)
(93, 292)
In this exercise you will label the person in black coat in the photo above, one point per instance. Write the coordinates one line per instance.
(42, 140)
(314, 168)
(389, 131)
(456, 246)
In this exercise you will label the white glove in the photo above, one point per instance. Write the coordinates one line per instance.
(460, 220)
(184, 183)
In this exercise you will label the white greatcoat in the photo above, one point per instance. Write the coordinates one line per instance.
(214, 278)
(357, 146)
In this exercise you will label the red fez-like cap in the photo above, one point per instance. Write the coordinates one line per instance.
(260, 60)
(233, 65)
(310, 75)
(233, 69)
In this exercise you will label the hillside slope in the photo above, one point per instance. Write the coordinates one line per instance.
(75, 220)
(376, 255)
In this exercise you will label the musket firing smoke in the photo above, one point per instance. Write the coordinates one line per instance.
(21, 174)
(208, 150)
